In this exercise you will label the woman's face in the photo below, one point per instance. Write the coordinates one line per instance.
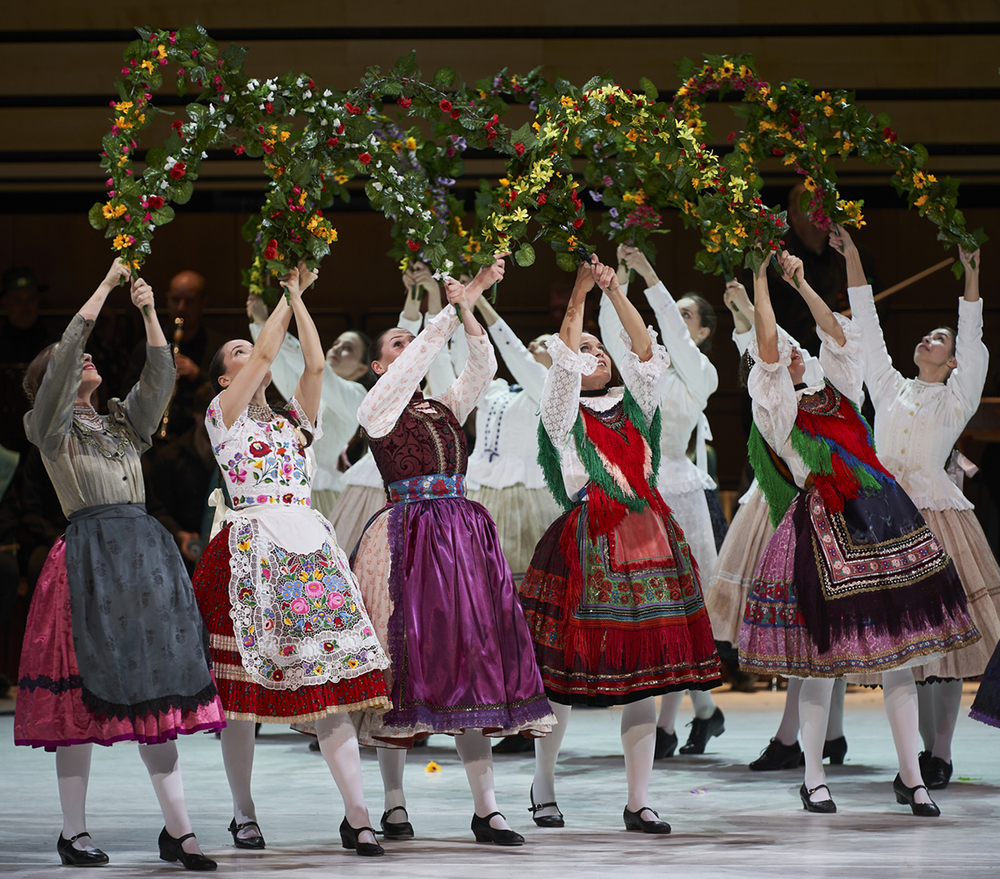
(394, 343)
(347, 356)
(235, 355)
(692, 317)
(537, 349)
(936, 349)
(91, 378)
(602, 375)
(797, 368)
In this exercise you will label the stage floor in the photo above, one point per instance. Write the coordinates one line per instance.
(727, 821)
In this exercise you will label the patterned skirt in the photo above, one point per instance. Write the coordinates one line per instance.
(243, 695)
(619, 618)
(52, 706)
(443, 603)
(986, 706)
(867, 590)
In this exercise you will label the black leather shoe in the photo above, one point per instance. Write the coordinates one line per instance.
(635, 821)
(935, 772)
(544, 820)
(827, 807)
(833, 750)
(349, 839)
(396, 829)
(666, 744)
(777, 755)
(74, 857)
(256, 841)
(905, 795)
(484, 833)
(702, 731)
(170, 850)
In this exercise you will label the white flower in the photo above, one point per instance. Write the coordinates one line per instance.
(426, 215)
(307, 94)
(204, 155)
(399, 197)
(171, 161)
(409, 210)
(376, 186)
(378, 164)
(327, 93)
(291, 111)
(225, 97)
(309, 649)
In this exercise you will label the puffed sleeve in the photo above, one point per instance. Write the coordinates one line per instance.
(773, 394)
(644, 378)
(560, 403)
(843, 364)
(968, 379)
(480, 366)
(884, 382)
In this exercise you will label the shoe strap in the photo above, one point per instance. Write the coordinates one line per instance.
(396, 809)
(811, 791)
(80, 836)
(534, 807)
(638, 812)
(244, 825)
(493, 815)
(181, 839)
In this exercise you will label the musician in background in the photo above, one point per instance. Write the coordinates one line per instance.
(194, 345)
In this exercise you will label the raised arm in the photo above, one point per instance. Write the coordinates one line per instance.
(765, 325)
(527, 372)
(572, 325)
(969, 377)
(309, 390)
(606, 278)
(793, 274)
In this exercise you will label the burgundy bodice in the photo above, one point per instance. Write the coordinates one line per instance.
(426, 439)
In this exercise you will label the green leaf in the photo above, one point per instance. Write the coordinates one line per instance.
(525, 255)
(883, 120)
(684, 68)
(647, 86)
(566, 261)
(156, 158)
(163, 215)
(444, 77)
(96, 216)
(183, 194)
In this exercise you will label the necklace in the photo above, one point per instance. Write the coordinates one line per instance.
(88, 416)
(260, 413)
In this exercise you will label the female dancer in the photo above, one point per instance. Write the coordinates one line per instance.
(917, 422)
(290, 638)
(433, 574)
(726, 595)
(686, 327)
(344, 387)
(100, 661)
(852, 579)
(612, 594)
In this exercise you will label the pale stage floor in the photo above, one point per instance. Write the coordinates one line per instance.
(727, 821)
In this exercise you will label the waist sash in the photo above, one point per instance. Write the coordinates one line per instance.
(432, 487)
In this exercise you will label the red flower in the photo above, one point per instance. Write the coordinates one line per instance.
(578, 222)
(156, 202)
(272, 249)
(269, 107)
(777, 151)
(519, 148)
(332, 141)
(405, 102)
(268, 148)
(342, 129)
(258, 449)
(354, 111)
(542, 198)
(364, 158)
(238, 149)
(889, 134)
(445, 105)
(439, 488)
(455, 114)
(413, 245)
(286, 498)
(177, 171)
(176, 125)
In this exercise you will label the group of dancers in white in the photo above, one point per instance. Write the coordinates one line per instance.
(570, 560)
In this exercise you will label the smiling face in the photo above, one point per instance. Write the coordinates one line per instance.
(90, 380)
(936, 351)
(797, 368)
(392, 343)
(602, 375)
(347, 356)
(537, 349)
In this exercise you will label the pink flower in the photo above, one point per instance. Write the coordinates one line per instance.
(300, 605)
(335, 600)
(314, 588)
(262, 499)
(237, 476)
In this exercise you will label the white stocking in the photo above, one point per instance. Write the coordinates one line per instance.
(814, 713)
(391, 762)
(670, 704)
(474, 749)
(926, 719)
(900, 694)
(73, 773)
(947, 697)
(543, 786)
(703, 703)
(788, 729)
(835, 725)
(165, 773)
(638, 744)
(338, 743)
(237, 757)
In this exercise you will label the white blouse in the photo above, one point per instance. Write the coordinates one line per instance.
(561, 398)
(392, 392)
(506, 451)
(776, 402)
(686, 386)
(917, 423)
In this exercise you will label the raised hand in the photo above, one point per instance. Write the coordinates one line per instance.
(142, 294)
(117, 271)
(792, 270)
(969, 260)
(585, 276)
(306, 276)
(256, 309)
(456, 293)
(736, 298)
(604, 276)
(841, 241)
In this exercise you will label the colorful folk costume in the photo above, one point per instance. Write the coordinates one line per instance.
(612, 595)
(986, 706)
(852, 580)
(291, 640)
(430, 565)
(115, 648)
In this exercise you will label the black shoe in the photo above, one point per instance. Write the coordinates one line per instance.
(634, 821)
(514, 745)
(170, 850)
(777, 755)
(544, 820)
(256, 841)
(827, 807)
(314, 745)
(349, 839)
(905, 795)
(398, 829)
(484, 833)
(666, 744)
(833, 750)
(702, 731)
(935, 772)
(74, 857)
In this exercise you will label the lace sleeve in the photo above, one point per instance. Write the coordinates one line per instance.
(843, 364)
(774, 403)
(480, 367)
(644, 379)
(560, 402)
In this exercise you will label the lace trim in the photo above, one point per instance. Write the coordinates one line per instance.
(160, 705)
(53, 685)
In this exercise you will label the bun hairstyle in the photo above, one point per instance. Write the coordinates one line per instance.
(746, 364)
(35, 372)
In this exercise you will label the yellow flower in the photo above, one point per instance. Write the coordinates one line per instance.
(520, 215)
(632, 135)
(120, 242)
(920, 202)
(161, 51)
(809, 184)
(411, 143)
(931, 178)
(285, 135)
(147, 65)
(744, 70)
(396, 145)
(571, 242)
(612, 120)
(341, 177)
(535, 125)
(504, 182)
(432, 767)
(772, 106)
(727, 68)
(566, 101)
(828, 110)
(919, 179)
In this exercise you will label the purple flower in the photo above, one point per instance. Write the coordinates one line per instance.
(596, 196)
(614, 212)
